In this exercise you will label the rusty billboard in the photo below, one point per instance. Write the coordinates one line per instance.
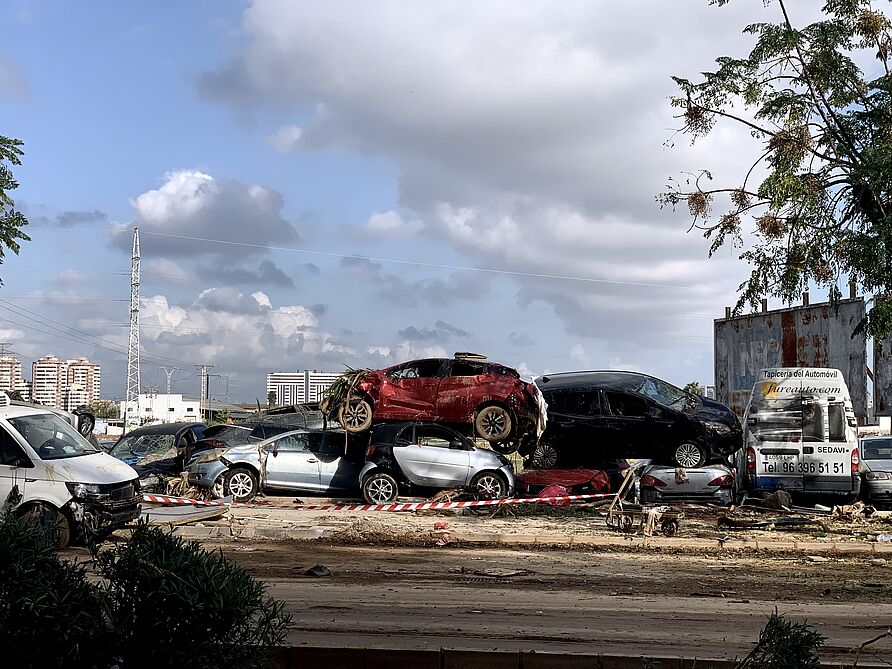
(882, 376)
(818, 335)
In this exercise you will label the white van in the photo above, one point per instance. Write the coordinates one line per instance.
(800, 433)
(55, 478)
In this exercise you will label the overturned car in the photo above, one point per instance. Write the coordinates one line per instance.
(466, 390)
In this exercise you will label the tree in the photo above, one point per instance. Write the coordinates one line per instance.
(11, 221)
(694, 388)
(105, 409)
(822, 207)
(271, 399)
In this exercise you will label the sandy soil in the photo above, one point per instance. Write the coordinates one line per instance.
(650, 603)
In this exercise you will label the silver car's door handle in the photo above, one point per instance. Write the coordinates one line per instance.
(312, 460)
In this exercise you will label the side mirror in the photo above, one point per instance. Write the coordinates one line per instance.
(23, 462)
(457, 443)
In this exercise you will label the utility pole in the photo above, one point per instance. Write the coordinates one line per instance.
(132, 395)
(203, 391)
(169, 372)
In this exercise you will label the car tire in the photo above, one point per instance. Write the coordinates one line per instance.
(356, 415)
(493, 423)
(380, 488)
(505, 447)
(689, 455)
(544, 456)
(53, 524)
(241, 483)
(489, 485)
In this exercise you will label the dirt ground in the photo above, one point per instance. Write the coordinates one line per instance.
(650, 603)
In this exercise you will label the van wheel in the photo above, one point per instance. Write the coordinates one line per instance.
(241, 483)
(493, 423)
(689, 455)
(54, 524)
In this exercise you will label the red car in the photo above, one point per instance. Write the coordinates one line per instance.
(466, 389)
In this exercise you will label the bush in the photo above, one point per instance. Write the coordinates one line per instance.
(50, 615)
(785, 645)
(162, 602)
(176, 604)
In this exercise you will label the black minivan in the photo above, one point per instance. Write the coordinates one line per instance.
(598, 416)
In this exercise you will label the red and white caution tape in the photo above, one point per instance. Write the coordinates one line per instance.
(418, 506)
(162, 499)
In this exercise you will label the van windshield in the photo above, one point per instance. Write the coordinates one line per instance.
(797, 420)
(51, 437)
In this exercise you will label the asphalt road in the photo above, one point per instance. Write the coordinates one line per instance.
(639, 603)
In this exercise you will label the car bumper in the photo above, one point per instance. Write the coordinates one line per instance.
(878, 492)
(723, 496)
(843, 485)
(206, 474)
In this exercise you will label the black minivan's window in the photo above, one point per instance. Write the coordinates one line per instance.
(622, 404)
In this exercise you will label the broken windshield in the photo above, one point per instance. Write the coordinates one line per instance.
(51, 437)
(788, 420)
(666, 394)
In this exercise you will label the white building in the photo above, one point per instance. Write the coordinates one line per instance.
(161, 408)
(11, 377)
(299, 387)
(65, 384)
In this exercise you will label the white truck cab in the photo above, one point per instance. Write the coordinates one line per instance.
(800, 433)
(51, 475)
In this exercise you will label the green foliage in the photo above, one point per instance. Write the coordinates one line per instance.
(271, 399)
(163, 602)
(822, 210)
(785, 645)
(11, 221)
(50, 615)
(105, 409)
(220, 417)
(340, 390)
(174, 604)
(694, 388)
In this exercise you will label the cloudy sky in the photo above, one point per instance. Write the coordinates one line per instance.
(360, 183)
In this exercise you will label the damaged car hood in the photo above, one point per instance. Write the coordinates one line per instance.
(95, 468)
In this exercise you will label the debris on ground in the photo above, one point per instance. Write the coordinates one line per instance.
(779, 499)
(318, 571)
(502, 573)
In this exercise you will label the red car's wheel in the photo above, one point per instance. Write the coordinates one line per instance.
(493, 423)
(356, 415)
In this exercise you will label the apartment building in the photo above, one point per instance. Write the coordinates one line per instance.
(65, 384)
(11, 380)
(299, 387)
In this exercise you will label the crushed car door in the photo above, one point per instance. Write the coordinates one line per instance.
(459, 390)
(432, 461)
(339, 467)
(291, 464)
(409, 392)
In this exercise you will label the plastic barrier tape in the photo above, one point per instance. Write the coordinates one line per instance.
(162, 499)
(417, 506)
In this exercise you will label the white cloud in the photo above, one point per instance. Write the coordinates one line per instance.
(578, 353)
(390, 224)
(12, 81)
(286, 138)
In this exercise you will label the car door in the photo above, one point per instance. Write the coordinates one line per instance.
(626, 433)
(576, 423)
(339, 466)
(291, 464)
(11, 454)
(459, 390)
(409, 392)
(438, 457)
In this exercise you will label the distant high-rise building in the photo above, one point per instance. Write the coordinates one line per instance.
(48, 381)
(299, 387)
(64, 384)
(11, 380)
(709, 392)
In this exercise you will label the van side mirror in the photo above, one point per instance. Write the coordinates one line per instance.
(23, 462)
